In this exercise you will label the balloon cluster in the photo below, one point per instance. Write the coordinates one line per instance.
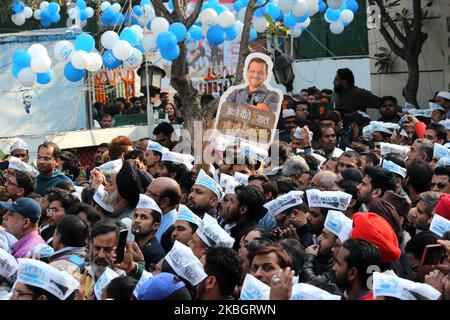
(48, 13)
(111, 14)
(79, 57)
(21, 12)
(80, 12)
(340, 13)
(126, 47)
(32, 65)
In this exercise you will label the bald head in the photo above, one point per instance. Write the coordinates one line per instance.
(166, 192)
(324, 180)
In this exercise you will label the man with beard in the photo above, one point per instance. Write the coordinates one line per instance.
(349, 98)
(351, 265)
(185, 226)
(153, 155)
(205, 195)
(388, 110)
(327, 140)
(19, 149)
(241, 211)
(144, 226)
(49, 177)
(375, 183)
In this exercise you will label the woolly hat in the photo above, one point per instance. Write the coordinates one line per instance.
(128, 183)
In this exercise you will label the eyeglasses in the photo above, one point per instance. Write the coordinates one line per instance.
(51, 210)
(281, 222)
(440, 185)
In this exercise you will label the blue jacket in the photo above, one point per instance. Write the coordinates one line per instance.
(45, 183)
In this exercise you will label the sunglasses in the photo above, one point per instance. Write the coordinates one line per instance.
(440, 186)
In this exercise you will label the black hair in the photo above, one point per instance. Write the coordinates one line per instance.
(135, 154)
(70, 164)
(350, 187)
(64, 197)
(253, 198)
(268, 185)
(346, 74)
(103, 145)
(225, 265)
(396, 159)
(330, 115)
(388, 98)
(381, 178)
(442, 171)
(179, 169)
(320, 131)
(312, 162)
(106, 226)
(295, 251)
(49, 144)
(361, 255)
(205, 99)
(419, 174)
(352, 174)
(121, 288)
(73, 231)
(165, 128)
(25, 180)
(417, 244)
(286, 184)
(91, 214)
(187, 180)
(441, 133)
(37, 292)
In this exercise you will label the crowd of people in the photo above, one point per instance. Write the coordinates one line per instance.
(343, 207)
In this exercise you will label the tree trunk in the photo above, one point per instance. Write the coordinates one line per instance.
(412, 84)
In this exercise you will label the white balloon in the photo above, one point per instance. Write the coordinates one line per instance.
(41, 63)
(300, 8)
(138, 30)
(80, 59)
(313, 7)
(159, 24)
(95, 62)
(90, 12)
(241, 14)
(208, 15)
(37, 14)
(105, 5)
(239, 27)
(149, 12)
(62, 50)
(149, 43)
(305, 23)
(296, 32)
(122, 49)
(27, 12)
(109, 38)
(116, 7)
(27, 77)
(134, 60)
(18, 19)
(37, 49)
(44, 5)
(260, 24)
(226, 19)
(346, 16)
(72, 13)
(335, 4)
(337, 27)
(286, 5)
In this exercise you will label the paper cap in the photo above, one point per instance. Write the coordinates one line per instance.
(212, 233)
(99, 198)
(339, 224)
(435, 106)
(231, 185)
(444, 94)
(19, 144)
(284, 202)
(439, 151)
(394, 168)
(145, 202)
(111, 167)
(155, 146)
(206, 181)
(17, 164)
(176, 157)
(337, 200)
(287, 113)
(184, 213)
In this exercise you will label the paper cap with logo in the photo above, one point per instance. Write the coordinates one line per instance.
(388, 148)
(40, 274)
(253, 152)
(339, 224)
(212, 233)
(19, 144)
(184, 213)
(111, 167)
(17, 164)
(435, 106)
(106, 277)
(426, 113)
(155, 146)
(43, 249)
(145, 202)
(206, 181)
(231, 185)
(224, 178)
(99, 198)
(8, 264)
(337, 200)
(176, 157)
(367, 132)
(394, 168)
(443, 162)
(254, 289)
(439, 225)
(440, 151)
(444, 94)
(304, 291)
(284, 202)
(185, 263)
(386, 127)
(408, 106)
(287, 113)
(241, 178)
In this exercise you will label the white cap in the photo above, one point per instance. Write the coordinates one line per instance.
(445, 123)
(408, 106)
(185, 263)
(19, 144)
(103, 281)
(224, 178)
(241, 178)
(444, 94)
(77, 192)
(221, 143)
(299, 135)
(184, 213)
(426, 113)
(435, 106)
(145, 202)
(339, 224)
(387, 148)
(337, 200)
(111, 167)
(394, 168)
(284, 202)
(99, 198)
(254, 289)
(43, 249)
(386, 127)
(367, 131)
(439, 225)
(337, 153)
(440, 151)
(17, 164)
(176, 157)
(287, 113)
(212, 233)
(320, 158)
(206, 181)
(8, 264)
(304, 291)
(155, 146)
(404, 133)
(40, 274)
(443, 162)
(231, 185)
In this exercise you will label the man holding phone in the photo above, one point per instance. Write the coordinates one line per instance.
(415, 249)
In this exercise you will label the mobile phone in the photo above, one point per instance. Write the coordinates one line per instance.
(120, 248)
(432, 254)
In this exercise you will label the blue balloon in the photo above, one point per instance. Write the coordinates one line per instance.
(245, 2)
(109, 61)
(18, 7)
(118, 19)
(73, 74)
(196, 32)
(216, 35)
(15, 70)
(85, 42)
(53, 7)
(221, 8)
(261, 12)
(46, 23)
(140, 47)
(281, 16)
(352, 5)
(22, 59)
(332, 14)
(54, 18)
(144, 2)
(108, 14)
(137, 10)
(253, 35)
(213, 3)
(83, 15)
(188, 37)
(302, 18)
(81, 4)
(322, 6)
(170, 5)
(45, 15)
(171, 54)
(45, 78)
(105, 19)
(231, 33)
(273, 11)
(238, 5)
(166, 41)
(129, 35)
(179, 30)
(289, 20)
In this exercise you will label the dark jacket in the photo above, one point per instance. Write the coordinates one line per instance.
(153, 252)
(239, 230)
(354, 99)
(305, 236)
(317, 268)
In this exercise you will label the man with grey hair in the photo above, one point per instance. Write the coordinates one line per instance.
(421, 149)
(324, 180)
(295, 167)
(422, 214)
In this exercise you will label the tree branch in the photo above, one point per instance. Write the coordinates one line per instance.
(406, 26)
(391, 43)
(385, 16)
(262, 5)
(417, 14)
(179, 14)
(194, 15)
(160, 9)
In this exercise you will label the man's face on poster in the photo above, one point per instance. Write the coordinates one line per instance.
(256, 74)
